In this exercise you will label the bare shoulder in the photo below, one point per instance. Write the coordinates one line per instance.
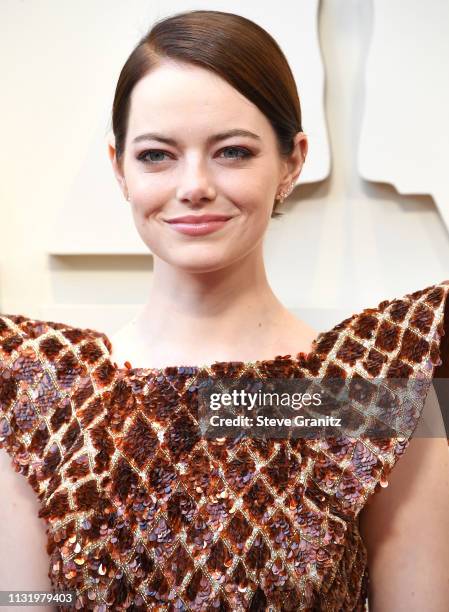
(24, 562)
(405, 527)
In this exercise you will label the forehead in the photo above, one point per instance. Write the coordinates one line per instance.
(182, 97)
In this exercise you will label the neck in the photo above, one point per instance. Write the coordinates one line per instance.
(214, 312)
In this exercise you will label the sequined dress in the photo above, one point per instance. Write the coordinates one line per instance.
(142, 513)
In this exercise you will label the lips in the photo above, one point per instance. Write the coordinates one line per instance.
(199, 225)
(197, 219)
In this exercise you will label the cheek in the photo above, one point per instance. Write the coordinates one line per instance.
(148, 230)
(255, 191)
(149, 190)
(148, 200)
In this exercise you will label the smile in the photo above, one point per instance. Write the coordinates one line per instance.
(198, 229)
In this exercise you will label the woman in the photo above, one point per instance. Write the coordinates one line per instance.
(144, 514)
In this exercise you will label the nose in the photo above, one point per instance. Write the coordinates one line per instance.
(195, 184)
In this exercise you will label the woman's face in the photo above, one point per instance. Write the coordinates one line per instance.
(203, 169)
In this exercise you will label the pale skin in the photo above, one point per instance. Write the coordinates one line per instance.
(213, 286)
(210, 300)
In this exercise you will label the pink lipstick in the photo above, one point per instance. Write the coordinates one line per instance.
(198, 225)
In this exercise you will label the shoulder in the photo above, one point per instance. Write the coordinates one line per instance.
(15, 329)
(378, 475)
(384, 360)
(403, 520)
(393, 338)
(29, 347)
(49, 373)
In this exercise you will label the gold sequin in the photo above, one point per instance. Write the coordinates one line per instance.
(143, 513)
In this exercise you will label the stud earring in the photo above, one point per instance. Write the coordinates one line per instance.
(284, 194)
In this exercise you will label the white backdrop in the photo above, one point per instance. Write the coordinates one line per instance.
(405, 136)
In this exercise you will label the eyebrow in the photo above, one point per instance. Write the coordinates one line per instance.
(211, 140)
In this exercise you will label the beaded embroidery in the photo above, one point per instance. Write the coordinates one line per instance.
(142, 513)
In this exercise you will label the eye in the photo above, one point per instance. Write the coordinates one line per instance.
(146, 156)
(243, 153)
(143, 156)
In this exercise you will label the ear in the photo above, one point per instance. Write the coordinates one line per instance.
(292, 166)
(116, 166)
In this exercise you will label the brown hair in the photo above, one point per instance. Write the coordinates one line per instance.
(236, 49)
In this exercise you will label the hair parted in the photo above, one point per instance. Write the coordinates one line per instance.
(236, 49)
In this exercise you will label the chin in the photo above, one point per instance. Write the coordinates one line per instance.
(199, 258)
(192, 260)
(200, 266)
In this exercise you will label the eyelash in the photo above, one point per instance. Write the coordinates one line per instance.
(245, 154)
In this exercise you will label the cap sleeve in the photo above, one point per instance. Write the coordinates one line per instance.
(45, 376)
(407, 340)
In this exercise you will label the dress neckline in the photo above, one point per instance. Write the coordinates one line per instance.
(301, 356)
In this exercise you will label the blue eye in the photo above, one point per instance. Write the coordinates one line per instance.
(143, 156)
(244, 153)
(146, 156)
